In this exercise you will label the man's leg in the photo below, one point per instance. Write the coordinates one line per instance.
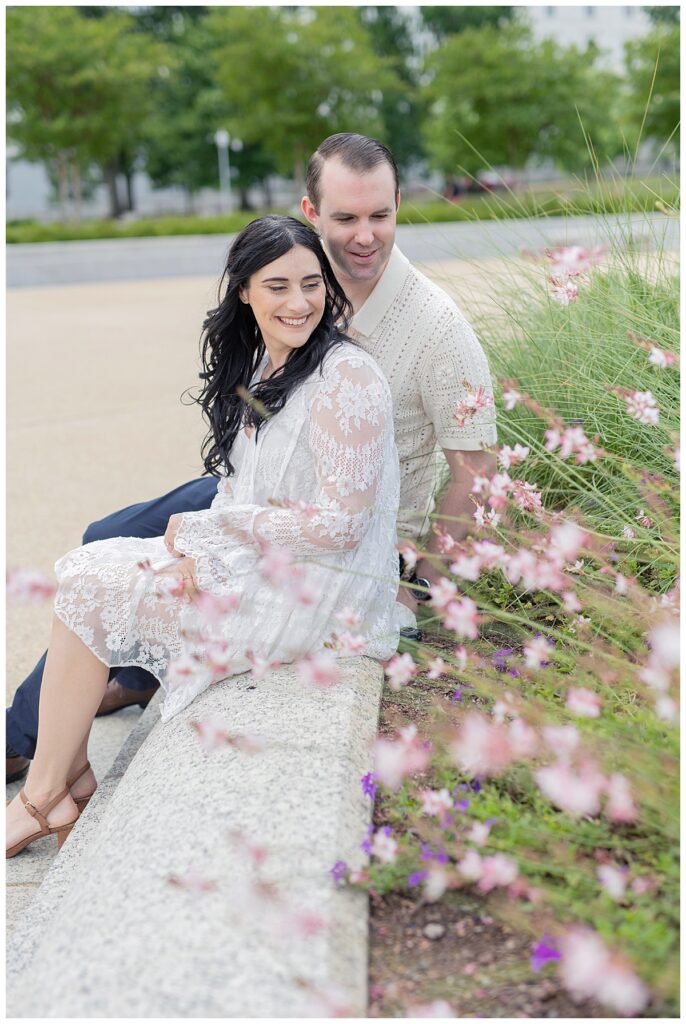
(145, 519)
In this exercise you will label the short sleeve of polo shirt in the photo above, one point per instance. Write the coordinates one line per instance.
(454, 366)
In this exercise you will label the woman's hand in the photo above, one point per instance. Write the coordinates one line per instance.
(184, 571)
(170, 534)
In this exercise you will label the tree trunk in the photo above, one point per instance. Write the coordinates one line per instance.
(62, 184)
(299, 172)
(110, 173)
(76, 188)
(244, 202)
(130, 197)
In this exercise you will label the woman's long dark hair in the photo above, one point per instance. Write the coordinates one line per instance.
(231, 344)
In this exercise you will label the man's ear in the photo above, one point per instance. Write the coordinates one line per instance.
(397, 200)
(308, 208)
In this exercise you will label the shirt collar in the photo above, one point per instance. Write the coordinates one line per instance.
(374, 308)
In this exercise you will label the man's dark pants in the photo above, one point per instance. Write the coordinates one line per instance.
(146, 519)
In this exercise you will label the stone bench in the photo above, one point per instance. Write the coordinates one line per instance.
(112, 935)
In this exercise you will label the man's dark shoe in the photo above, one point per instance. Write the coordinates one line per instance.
(16, 766)
(410, 633)
(118, 697)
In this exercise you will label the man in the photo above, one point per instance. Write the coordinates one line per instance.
(421, 341)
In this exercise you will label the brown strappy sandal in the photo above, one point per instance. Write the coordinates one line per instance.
(61, 831)
(82, 801)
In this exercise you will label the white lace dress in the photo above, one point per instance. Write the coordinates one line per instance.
(320, 480)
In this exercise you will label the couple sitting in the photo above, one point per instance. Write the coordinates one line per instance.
(313, 360)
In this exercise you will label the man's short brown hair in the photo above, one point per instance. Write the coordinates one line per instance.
(357, 152)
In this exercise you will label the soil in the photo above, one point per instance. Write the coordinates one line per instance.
(478, 965)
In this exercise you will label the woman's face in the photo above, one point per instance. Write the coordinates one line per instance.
(287, 298)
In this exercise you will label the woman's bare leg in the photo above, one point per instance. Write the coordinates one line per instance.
(74, 682)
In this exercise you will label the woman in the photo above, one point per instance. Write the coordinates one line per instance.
(302, 528)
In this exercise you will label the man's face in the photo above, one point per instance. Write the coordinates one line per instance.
(356, 219)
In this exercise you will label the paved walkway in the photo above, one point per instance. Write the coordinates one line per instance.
(148, 258)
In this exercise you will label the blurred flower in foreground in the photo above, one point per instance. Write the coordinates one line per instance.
(27, 586)
(589, 971)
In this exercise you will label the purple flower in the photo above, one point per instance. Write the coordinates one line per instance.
(416, 877)
(457, 695)
(461, 805)
(369, 785)
(339, 871)
(499, 659)
(543, 952)
(428, 854)
(366, 844)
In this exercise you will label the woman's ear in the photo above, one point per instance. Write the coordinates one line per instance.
(243, 295)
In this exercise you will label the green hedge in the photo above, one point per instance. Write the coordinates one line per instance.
(622, 197)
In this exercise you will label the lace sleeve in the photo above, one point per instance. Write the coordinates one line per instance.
(349, 424)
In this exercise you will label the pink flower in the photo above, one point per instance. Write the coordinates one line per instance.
(384, 846)
(665, 646)
(409, 553)
(350, 644)
(461, 657)
(621, 584)
(571, 602)
(400, 669)
(589, 971)
(643, 407)
(436, 802)
(466, 568)
(475, 400)
(436, 668)
(182, 670)
(484, 518)
(471, 866)
(583, 702)
(620, 805)
(526, 497)
(564, 292)
(523, 739)
(562, 739)
(481, 747)
(436, 883)
(319, 669)
(28, 586)
(437, 1008)
(214, 608)
(660, 357)
(511, 456)
(497, 870)
(643, 519)
(628, 532)
(488, 553)
(576, 794)
(613, 880)
(446, 542)
(479, 833)
(276, 565)
(573, 260)
(260, 665)
(500, 487)
(461, 616)
(395, 760)
(212, 734)
(192, 881)
(510, 398)
(537, 652)
(566, 540)
(348, 617)
(572, 440)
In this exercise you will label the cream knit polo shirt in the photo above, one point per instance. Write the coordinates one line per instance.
(431, 359)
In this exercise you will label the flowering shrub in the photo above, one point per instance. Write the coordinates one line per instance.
(532, 755)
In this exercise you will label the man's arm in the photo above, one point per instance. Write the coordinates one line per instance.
(457, 505)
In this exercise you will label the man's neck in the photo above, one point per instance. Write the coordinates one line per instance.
(357, 292)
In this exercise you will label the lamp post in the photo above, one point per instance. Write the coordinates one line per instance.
(222, 140)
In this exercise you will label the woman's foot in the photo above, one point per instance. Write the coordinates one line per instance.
(20, 824)
(83, 787)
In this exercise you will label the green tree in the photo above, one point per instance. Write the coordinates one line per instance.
(447, 21)
(292, 76)
(402, 109)
(79, 90)
(178, 143)
(652, 108)
(513, 98)
(664, 15)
